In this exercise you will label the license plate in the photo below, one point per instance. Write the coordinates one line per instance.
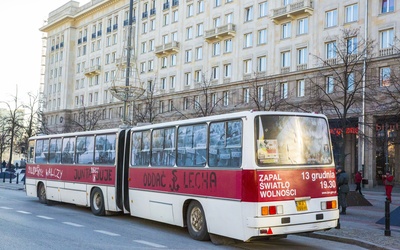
(301, 205)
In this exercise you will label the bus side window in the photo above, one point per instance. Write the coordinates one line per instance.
(68, 151)
(140, 153)
(105, 149)
(42, 151)
(192, 141)
(84, 149)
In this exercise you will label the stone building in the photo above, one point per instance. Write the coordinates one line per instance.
(196, 57)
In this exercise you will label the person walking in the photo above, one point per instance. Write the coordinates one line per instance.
(343, 188)
(358, 180)
(388, 180)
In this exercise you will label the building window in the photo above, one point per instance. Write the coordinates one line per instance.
(217, 3)
(229, 18)
(246, 95)
(164, 61)
(300, 88)
(216, 49)
(189, 10)
(165, 19)
(227, 70)
(189, 33)
(170, 105)
(384, 76)
(175, 16)
(302, 56)
(185, 103)
(331, 50)
(263, 9)
(262, 64)
(331, 18)
(284, 90)
(200, 6)
(285, 59)
(260, 94)
(188, 78)
(163, 83)
(225, 98)
(173, 60)
(352, 13)
(247, 66)
(161, 107)
(302, 26)
(387, 6)
(248, 14)
(330, 84)
(215, 73)
(197, 76)
(200, 29)
(286, 30)
(248, 40)
(350, 82)
(386, 38)
(188, 56)
(228, 46)
(352, 45)
(199, 53)
(172, 82)
(262, 37)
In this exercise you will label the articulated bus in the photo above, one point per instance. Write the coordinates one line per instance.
(242, 175)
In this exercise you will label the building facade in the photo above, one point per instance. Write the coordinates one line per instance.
(198, 57)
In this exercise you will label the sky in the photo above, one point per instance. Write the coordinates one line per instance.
(21, 46)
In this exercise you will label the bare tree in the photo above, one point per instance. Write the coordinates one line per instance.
(341, 83)
(86, 120)
(146, 109)
(14, 122)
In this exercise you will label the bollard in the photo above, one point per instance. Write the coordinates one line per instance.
(10, 178)
(4, 177)
(387, 217)
(17, 177)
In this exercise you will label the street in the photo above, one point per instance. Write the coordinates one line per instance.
(27, 224)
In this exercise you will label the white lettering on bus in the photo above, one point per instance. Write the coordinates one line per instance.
(35, 171)
(269, 177)
(277, 193)
(274, 185)
(54, 172)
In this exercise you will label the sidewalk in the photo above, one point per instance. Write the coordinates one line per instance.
(357, 227)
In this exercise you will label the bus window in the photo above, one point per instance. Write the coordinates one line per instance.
(163, 147)
(31, 151)
(192, 141)
(225, 149)
(84, 149)
(140, 148)
(68, 150)
(55, 150)
(42, 151)
(292, 140)
(105, 149)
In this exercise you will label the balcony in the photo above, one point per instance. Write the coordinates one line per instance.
(292, 11)
(386, 51)
(92, 71)
(301, 67)
(167, 49)
(220, 33)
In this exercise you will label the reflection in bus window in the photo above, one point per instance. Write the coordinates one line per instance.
(292, 140)
(141, 148)
(55, 150)
(163, 147)
(105, 149)
(42, 151)
(84, 149)
(225, 149)
(68, 151)
(192, 141)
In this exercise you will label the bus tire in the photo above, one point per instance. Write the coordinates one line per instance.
(41, 193)
(196, 222)
(97, 202)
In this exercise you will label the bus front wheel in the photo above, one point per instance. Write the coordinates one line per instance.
(42, 194)
(97, 202)
(196, 222)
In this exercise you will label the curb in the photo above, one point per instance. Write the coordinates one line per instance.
(350, 241)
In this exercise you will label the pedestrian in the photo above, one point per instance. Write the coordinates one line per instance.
(357, 180)
(343, 188)
(388, 180)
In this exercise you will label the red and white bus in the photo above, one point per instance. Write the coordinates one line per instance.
(240, 175)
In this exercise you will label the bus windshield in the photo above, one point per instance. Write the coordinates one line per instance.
(292, 140)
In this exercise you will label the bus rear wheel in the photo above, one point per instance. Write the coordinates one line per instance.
(97, 202)
(196, 222)
(42, 194)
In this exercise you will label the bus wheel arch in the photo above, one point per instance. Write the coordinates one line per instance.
(196, 221)
(97, 202)
(41, 193)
